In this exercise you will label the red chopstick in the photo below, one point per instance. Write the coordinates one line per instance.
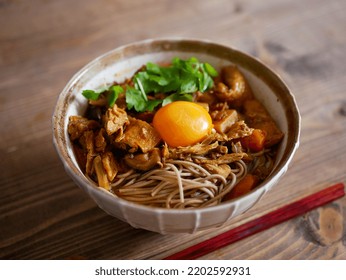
(268, 220)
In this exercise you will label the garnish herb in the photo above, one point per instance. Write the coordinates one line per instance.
(91, 94)
(113, 94)
(178, 82)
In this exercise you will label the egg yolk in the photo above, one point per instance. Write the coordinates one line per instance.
(182, 123)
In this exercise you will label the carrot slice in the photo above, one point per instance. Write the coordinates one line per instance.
(243, 186)
(255, 141)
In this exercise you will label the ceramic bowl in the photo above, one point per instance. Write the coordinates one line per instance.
(122, 62)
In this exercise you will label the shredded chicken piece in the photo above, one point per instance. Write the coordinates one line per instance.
(237, 147)
(140, 135)
(222, 169)
(114, 121)
(78, 125)
(224, 159)
(238, 130)
(216, 107)
(221, 149)
(197, 149)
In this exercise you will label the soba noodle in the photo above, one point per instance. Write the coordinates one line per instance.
(179, 184)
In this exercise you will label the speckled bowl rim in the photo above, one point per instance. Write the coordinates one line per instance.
(221, 51)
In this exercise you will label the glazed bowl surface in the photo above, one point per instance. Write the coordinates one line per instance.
(123, 62)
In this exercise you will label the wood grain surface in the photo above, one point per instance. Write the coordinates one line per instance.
(44, 215)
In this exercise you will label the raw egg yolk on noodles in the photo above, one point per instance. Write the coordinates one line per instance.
(182, 123)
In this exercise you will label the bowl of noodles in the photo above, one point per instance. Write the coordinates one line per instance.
(176, 135)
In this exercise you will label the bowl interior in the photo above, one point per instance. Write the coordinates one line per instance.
(122, 63)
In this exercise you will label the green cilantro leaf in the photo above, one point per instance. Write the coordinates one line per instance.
(189, 84)
(178, 82)
(210, 69)
(139, 86)
(113, 94)
(176, 97)
(153, 68)
(135, 100)
(147, 83)
(91, 94)
(205, 81)
(151, 104)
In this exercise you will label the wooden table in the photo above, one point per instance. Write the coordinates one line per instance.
(44, 215)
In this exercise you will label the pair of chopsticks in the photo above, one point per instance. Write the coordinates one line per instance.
(273, 218)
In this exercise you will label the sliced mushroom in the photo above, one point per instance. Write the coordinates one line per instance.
(87, 142)
(140, 135)
(110, 165)
(145, 161)
(100, 173)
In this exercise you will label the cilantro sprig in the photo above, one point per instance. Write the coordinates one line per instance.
(178, 81)
(111, 93)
